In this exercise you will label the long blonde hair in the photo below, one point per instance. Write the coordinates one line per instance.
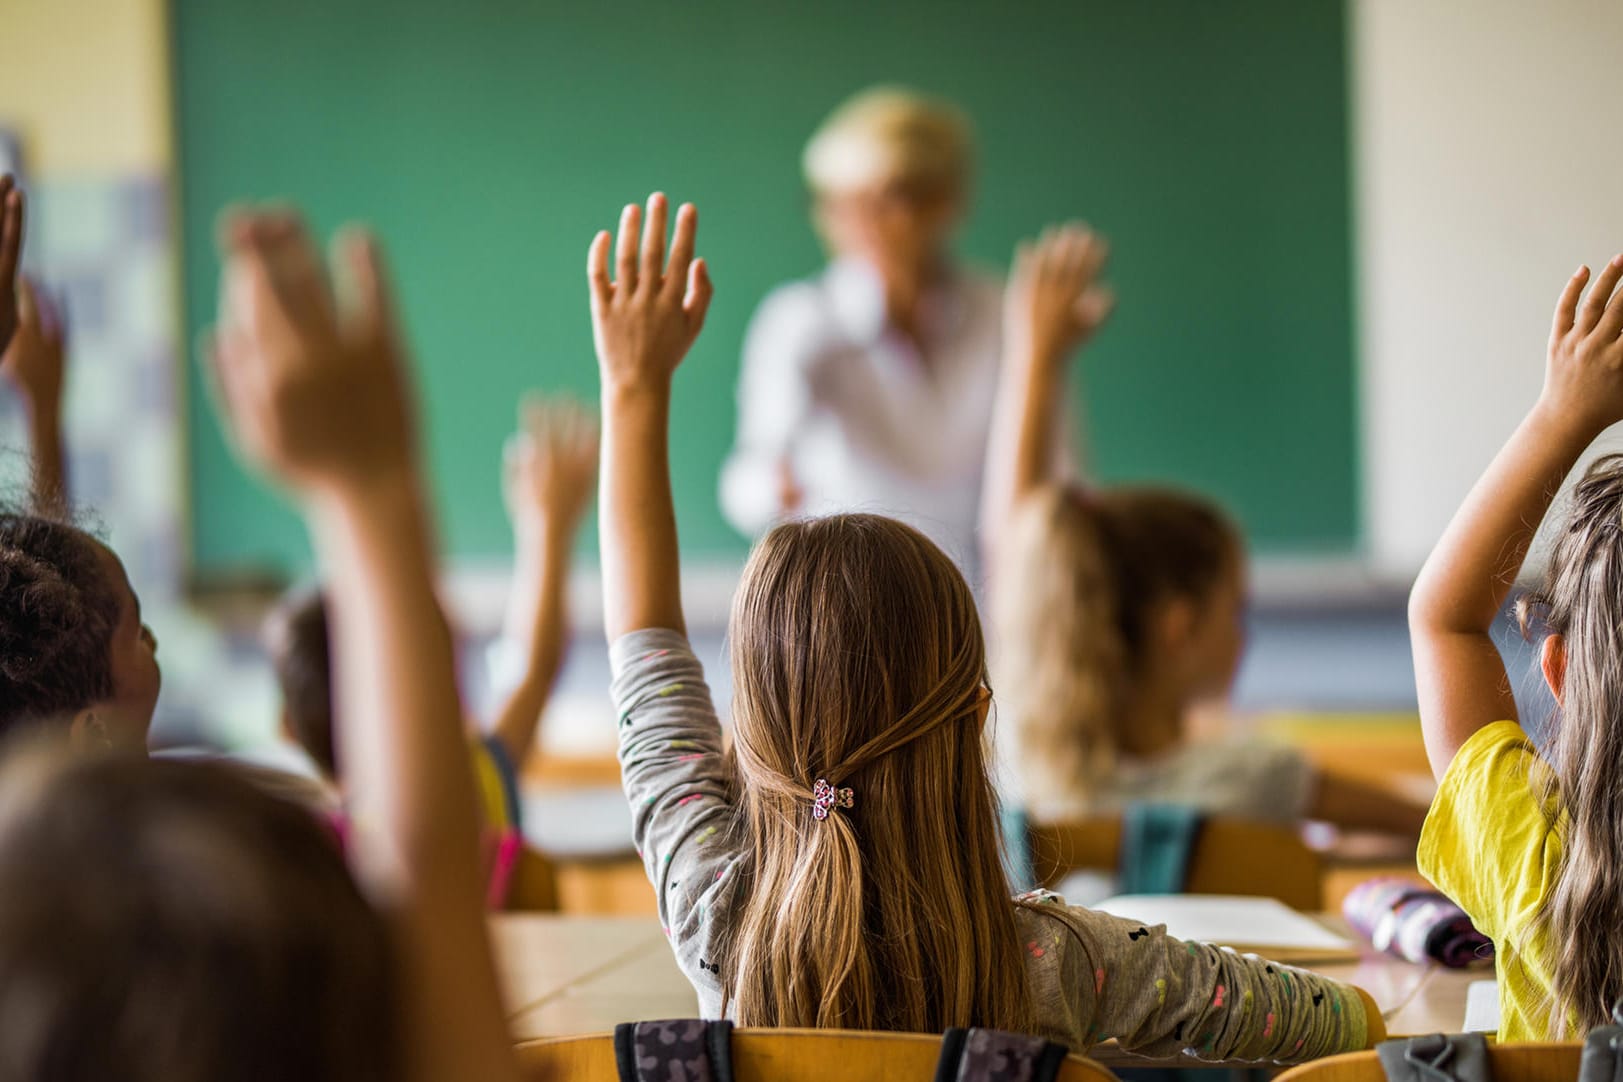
(1583, 602)
(857, 658)
(1077, 581)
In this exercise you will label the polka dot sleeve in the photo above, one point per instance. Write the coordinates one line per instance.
(1096, 978)
(676, 782)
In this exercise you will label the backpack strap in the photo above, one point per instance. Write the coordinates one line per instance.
(1602, 1059)
(1017, 860)
(687, 1048)
(991, 1055)
(1460, 1057)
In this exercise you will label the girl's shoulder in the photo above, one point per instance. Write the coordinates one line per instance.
(1056, 925)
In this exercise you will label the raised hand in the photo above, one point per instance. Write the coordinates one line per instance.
(11, 250)
(550, 469)
(643, 322)
(313, 389)
(1054, 301)
(1459, 593)
(1583, 377)
(35, 360)
(646, 316)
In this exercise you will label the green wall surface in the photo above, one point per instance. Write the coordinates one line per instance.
(488, 140)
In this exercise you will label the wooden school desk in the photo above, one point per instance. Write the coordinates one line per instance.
(565, 975)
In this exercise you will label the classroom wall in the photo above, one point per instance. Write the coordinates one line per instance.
(85, 89)
(489, 140)
(1487, 165)
(86, 84)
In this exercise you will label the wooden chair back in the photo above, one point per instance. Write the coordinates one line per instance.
(780, 1055)
(534, 886)
(1232, 856)
(1508, 1062)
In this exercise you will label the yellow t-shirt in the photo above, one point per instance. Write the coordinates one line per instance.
(1490, 845)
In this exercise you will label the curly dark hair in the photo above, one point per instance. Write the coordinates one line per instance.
(58, 611)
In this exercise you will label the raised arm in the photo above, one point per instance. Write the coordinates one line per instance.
(644, 319)
(11, 253)
(1053, 304)
(34, 363)
(316, 397)
(551, 466)
(1458, 671)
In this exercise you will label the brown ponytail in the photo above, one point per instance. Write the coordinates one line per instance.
(857, 658)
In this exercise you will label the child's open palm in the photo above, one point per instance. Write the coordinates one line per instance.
(36, 358)
(646, 316)
(551, 467)
(313, 390)
(1055, 301)
(1583, 379)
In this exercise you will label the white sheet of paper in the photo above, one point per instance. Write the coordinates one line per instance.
(1482, 1007)
(1255, 924)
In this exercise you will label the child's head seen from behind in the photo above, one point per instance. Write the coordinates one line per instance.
(858, 660)
(72, 645)
(168, 920)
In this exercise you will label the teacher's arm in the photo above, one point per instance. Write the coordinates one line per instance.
(760, 483)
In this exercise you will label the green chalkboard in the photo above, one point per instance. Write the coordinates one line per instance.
(488, 139)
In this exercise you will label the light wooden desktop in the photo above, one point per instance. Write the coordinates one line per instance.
(566, 975)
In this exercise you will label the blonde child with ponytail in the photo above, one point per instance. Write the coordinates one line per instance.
(1117, 611)
(839, 867)
(1529, 841)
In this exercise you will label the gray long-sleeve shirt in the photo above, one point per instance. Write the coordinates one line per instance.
(1093, 977)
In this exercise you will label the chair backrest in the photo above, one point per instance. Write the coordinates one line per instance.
(1508, 1062)
(1232, 856)
(533, 887)
(780, 1055)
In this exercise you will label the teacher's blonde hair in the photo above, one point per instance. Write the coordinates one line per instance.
(886, 134)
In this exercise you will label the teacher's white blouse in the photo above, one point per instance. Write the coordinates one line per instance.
(865, 422)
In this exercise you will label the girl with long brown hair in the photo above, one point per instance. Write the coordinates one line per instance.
(839, 867)
(1120, 610)
(1529, 841)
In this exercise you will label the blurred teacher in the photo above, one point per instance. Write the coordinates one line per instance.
(869, 387)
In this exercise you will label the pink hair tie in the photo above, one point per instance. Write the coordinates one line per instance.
(825, 796)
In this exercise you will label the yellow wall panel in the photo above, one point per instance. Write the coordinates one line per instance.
(86, 84)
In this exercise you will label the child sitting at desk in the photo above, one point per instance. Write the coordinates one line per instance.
(840, 865)
(1118, 610)
(549, 473)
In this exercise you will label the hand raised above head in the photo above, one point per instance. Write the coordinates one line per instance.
(313, 391)
(551, 464)
(1055, 301)
(645, 318)
(1583, 376)
(37, 357)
